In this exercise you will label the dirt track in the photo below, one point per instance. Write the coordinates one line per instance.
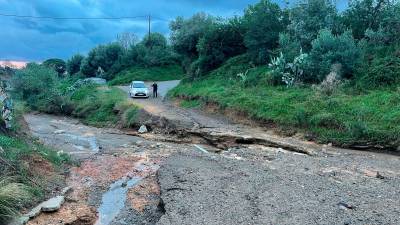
(247, 182)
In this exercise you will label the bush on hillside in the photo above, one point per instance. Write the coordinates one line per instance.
(57, 65)
(37, 85)
(328, 49)
(382, 71)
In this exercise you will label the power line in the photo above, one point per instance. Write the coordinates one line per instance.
(71, 18)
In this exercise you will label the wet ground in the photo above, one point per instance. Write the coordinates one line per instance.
(109, 181)
(126, 179)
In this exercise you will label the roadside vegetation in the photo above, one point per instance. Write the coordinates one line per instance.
(332, 75)
(127, 59)
(161, 73)
(29, 171)
(43, 90)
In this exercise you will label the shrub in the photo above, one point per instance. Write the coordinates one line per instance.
(289, 73)
(383, 71)
(37, 85)
(328, 49)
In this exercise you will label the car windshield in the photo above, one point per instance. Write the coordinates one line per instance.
(138, 85)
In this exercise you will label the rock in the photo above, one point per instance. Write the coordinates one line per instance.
(59, 131)
(379, 176)
(125, 183)
(66, 190)
(34, 212)
(20, 221)
(345, 206)
(375, 174)
(52, 204)
(143, 129)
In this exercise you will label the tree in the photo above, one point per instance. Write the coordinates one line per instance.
(222, 41)
(154, 40)
(74, 64)
(310, 16)
(153, 50)
(186, 33)
(263, 23)
(365, 14)
(57, 65)
(104, 56)
(127, 40)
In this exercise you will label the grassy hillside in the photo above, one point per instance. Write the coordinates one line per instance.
(171, 72)
(347, 117)
(102, 106)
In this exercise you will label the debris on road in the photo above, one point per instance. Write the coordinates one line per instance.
(143, 129)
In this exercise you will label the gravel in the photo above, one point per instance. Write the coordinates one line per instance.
(269, 186)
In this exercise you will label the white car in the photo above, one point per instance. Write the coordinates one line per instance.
(138, 89)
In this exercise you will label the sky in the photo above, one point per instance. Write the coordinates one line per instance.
(36, 40)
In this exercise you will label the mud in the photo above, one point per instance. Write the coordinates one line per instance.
(115, 184)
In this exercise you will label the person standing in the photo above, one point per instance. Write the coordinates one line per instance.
(155, 90)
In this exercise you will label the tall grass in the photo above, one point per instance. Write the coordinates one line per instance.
(12, 196)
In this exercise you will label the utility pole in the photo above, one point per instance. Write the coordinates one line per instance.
(149, 26)
(149, 41)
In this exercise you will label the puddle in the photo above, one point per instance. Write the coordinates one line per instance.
(114, 200)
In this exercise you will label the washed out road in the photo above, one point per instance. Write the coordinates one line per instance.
(246, 176)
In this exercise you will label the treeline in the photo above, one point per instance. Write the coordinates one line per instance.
(301, 44)
(107, 60)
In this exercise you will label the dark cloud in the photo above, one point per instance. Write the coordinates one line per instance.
(36, 40)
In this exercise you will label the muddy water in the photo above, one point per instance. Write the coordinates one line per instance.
(113, 201)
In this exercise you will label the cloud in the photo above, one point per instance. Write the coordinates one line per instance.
(37, 40)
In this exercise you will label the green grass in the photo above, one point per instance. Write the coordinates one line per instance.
(344, 118)
(171, 72)
(19, 185)
(103, 106)
(191, 103)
